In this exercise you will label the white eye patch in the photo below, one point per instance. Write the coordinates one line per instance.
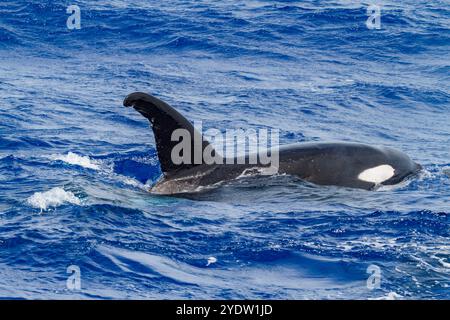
(377, 174)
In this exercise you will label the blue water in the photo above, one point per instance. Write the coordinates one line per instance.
(75, 165)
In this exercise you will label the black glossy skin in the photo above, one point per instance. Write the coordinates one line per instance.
(336, 164)
(340, 163)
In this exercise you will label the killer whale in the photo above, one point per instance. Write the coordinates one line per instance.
(344, 164)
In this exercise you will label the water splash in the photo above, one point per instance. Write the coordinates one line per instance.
(77, 160)
(52, 198)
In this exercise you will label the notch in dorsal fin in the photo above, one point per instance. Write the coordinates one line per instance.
(165, 120)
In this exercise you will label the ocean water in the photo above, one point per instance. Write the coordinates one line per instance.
(75, 165)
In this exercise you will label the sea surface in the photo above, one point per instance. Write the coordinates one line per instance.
(76, 217)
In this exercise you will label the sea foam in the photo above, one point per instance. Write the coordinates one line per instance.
(75, 159)
(52, 198)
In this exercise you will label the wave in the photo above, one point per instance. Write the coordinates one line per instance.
(311, 69)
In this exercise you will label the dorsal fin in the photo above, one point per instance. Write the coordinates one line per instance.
(165, 120)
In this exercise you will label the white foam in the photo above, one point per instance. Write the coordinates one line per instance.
(211, 260)
(444, 263)
(390, 296)
(52, 198)
(134, 182)
(75, 159)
